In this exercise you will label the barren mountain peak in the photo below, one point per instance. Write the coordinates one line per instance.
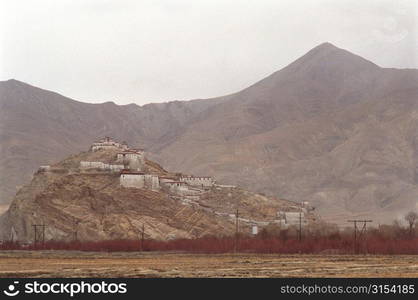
(16, 82)
(332, 52)
(329, 52)
(326, 45)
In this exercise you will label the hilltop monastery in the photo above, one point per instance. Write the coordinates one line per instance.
(130, 164)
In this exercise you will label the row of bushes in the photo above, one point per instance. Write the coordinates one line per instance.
(308, 245)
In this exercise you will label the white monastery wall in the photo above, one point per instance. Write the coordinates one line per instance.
(100, 165)
(198, 181)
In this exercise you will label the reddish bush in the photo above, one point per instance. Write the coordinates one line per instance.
(385, 240)
(373, 245)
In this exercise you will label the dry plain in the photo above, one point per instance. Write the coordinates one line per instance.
(157, 264)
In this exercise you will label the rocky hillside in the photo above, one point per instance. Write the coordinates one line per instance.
(331, 128)
(92, 205)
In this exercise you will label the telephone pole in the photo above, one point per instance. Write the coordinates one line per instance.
(35, 237)
(41, 234)
(75, 229)
(236, 231)
(357, 237)
(300, 225)
(142, 237)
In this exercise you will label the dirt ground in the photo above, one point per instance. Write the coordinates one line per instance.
(89, 264)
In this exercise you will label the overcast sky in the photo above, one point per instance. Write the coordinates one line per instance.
(161, 50)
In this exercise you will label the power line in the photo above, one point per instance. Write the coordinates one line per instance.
(41, 236)
(358, 234)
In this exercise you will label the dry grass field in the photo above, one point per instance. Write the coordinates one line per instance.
(151, 264)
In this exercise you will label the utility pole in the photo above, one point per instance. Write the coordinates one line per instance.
(300, 224)
(75, 229)
(142, 237)
(236, 232)
(41, 235)
(356, 244)
(35, 235)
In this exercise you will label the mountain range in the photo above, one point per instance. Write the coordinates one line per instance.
(331, 128)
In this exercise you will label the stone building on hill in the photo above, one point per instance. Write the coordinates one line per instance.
(108, 143)
(136, 179)
(132, 159)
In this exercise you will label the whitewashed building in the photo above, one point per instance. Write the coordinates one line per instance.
(44, 168)
(139, 180)
(151, 181)
(107, 143)
(132, 159)
(177, 187)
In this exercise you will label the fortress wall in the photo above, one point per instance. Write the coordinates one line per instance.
(95, 148)
(100, 165)
(198, 181)
(91, 165)
(114, 168)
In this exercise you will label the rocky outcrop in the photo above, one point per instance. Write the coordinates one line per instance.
(81, 204)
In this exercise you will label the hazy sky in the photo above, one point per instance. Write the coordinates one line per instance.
(161, 50)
